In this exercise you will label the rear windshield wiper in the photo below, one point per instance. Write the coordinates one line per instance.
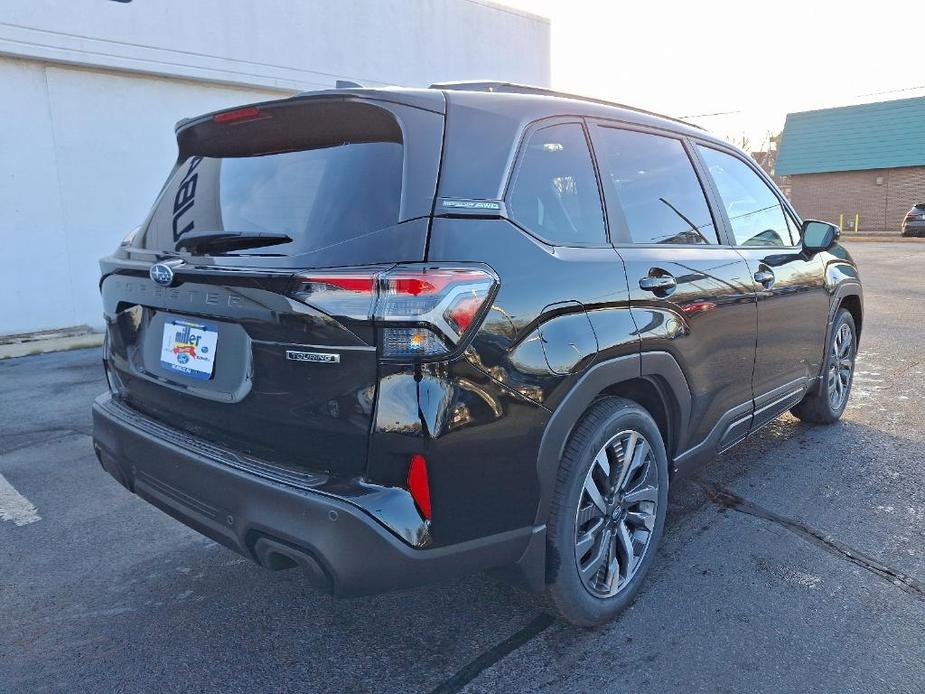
(222, 241)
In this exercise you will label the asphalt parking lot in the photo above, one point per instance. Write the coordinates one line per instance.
(795, 562)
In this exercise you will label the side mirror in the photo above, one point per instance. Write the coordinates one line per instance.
(819, 236)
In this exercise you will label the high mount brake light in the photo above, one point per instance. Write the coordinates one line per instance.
(240, 115)
(422, 311)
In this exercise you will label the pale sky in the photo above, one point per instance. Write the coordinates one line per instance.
(760, 60)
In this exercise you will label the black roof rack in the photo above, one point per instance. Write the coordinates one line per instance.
(514, 88)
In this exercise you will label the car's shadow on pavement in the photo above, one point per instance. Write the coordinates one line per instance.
(183, 613)
(204, 604)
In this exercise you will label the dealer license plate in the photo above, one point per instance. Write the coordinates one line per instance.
(189, 348)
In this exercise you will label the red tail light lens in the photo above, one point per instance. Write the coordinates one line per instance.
(423, 311)
(418, 484)
(349, 283)
(463, 312)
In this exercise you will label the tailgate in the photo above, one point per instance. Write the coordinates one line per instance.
(279, 380)
(211, 340)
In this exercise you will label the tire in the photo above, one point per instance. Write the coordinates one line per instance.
(632, 517)
(823, 405)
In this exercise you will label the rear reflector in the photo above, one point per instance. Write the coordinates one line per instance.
(418, 484)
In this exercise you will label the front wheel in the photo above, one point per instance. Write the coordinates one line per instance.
(826, 403)
(608, 511)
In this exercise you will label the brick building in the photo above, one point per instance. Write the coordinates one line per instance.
(866, 160)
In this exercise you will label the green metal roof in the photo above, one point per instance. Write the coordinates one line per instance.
(883, 135)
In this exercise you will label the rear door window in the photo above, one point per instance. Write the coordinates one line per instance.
(755, 213)
(651, 180)
(555, 193)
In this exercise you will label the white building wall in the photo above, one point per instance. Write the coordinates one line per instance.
(92, 90)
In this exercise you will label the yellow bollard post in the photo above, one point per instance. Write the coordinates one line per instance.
(857, 221)
(841, 221)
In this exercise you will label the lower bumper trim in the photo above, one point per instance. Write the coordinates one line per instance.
(344, 550)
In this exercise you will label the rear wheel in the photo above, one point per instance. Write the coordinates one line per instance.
(826, 403)
(608, 512)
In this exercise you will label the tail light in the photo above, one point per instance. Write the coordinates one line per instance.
(130, 237)
(343, 294)
(421, 311)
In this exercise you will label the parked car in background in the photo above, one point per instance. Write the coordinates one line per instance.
(395, 335)
(914, 222)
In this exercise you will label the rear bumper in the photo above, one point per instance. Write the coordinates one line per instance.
(280, 523)
(913, 228)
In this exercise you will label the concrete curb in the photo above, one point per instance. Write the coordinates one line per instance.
(881, 238)
(12, 346)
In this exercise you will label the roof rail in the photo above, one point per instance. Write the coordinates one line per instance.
(514, 88)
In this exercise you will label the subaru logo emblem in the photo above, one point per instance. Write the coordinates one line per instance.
(161, 274)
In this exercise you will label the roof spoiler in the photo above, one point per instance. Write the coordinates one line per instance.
(338, 84)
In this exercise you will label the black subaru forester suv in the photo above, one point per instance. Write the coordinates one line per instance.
(394, 335)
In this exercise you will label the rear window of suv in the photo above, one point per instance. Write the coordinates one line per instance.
(321, 192)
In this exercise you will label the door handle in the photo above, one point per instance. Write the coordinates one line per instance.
(764, 277)
(658, 283)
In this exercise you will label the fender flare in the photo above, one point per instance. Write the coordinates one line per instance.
(599, 377)
(530, 569)
(844, 289)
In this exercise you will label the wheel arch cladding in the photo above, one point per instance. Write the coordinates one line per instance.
(653, 380)
(852, 302)
(655, 397)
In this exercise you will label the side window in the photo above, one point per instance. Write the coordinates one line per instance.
(554, 193)
(754, 211)
(655, 184)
